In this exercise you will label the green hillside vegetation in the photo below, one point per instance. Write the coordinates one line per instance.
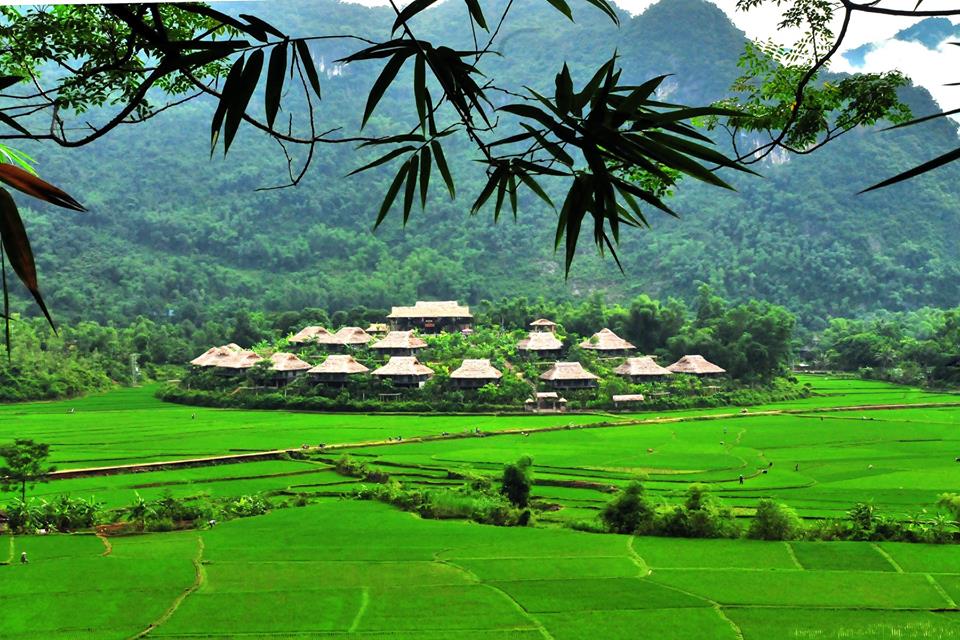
(174, 237)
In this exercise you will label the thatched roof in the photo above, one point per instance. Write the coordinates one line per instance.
(543, 322)
(695, 364)
(567, 371)
(436, 309)
(476, 370)
(308, 334)
(643, 366)
(339, 364)
(545, 395)
(540, 341)
(628, 397)
(243, 359)
(403, 366)
(606, 340)
(377, 327)
(288, 362)
(214, 355)
(399, 340)
(351, 336)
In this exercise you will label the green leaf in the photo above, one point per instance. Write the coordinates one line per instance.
(384, 159)
(274, 89)
(240, 100)
(263, 26)
(930, 165)
(492, 183)
(444, 170)
(562, 7)
(420, 89)
(304, 49)
(386, 77)
(391, 194)
(534, 186)
(477, 14)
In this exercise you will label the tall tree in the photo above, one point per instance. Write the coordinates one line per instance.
(25, 462)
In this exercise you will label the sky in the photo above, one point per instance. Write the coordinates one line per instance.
(928, 68)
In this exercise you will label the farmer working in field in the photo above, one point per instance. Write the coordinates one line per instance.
(23, 558)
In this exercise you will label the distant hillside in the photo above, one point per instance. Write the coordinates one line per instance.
(174, 234)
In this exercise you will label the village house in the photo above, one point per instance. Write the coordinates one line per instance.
(378, 328)
(286, 367)
(545, 401)
(432, 317)
(642, 369)
(569, 375)
(541, 344)
(605, 342)
(626, 400)
(237, 363)
(542, 324)
(399, 343)
(473, 374)
(308, 335)
(404, 371)
(214, 355)
(345, 338)
(696, 365)
(336, 370)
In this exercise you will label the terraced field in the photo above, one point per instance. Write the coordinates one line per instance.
(342, 568)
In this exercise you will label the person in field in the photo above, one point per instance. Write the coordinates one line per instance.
(741, 478)
(23, 558)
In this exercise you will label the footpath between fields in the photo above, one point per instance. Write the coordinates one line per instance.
(293, 452)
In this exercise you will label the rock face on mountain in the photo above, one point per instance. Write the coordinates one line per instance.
(174, 234)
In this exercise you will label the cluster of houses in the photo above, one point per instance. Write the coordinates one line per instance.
(399, 343)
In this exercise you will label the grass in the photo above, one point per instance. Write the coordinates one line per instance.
(364, 570)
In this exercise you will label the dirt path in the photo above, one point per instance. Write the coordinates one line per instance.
(199, 578)
(274, 454)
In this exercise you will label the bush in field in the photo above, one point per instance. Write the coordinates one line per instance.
(517, 481)
(700, 516)
(861, 521)
(774, 522)
(246, 506)
(629, 511)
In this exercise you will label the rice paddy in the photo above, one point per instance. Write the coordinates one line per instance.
(344, 568)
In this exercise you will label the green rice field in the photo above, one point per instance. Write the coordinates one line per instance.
(351, 569)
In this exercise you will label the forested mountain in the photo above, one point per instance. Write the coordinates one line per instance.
(174, 234)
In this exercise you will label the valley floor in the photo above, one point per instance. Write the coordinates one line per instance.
(343, 568)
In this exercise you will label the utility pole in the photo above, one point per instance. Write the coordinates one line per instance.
(134, 369)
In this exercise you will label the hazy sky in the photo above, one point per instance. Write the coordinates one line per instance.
(928, 68)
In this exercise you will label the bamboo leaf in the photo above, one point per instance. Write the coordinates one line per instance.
(30, 184)
(424, 176)
(275, 76)
(386, 77)
(391, 194)
(263, 26)
(411, 188)
(384, 159)
(308, 67)
(240, 100)
(930, 165)
(477, 14)
(444, 170)
(562, 7)
(16, 244)
(229, 88)
(411, 10)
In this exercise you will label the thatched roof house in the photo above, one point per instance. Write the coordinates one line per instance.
(214, 355)
(569, 375)
(542, 324)
(607, 342)
(696, 365)
(627, 399)
(405, 371)
(541, 343)
(336, 368)
(239, 362)
(351, 337)
(473, 374)
(378, 328)
(308, 334)
(442, 315)
(642, 369)
(287, 366)
(399, 343)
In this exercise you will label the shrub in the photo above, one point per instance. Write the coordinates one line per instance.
(629, 511)
(700, 516)
(517, 481)
(774, 522)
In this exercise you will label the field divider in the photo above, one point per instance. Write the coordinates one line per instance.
(364, 603)
(199, 579)
(793, 556)
(886, 556)
(943, 593)
(10, 551)
(294, 452)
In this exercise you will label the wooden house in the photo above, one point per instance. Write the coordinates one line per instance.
(545, 401)
(286, 367)
(569, 375)
(337, 369)
(308, 335)
(431, 317)
(404, 371)
(238, 363)
(399, 343)
(696, 365)
(473, 374)
(542, 324)
(541, 344)
(606, 342)
(627, 400)
(642, 369)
